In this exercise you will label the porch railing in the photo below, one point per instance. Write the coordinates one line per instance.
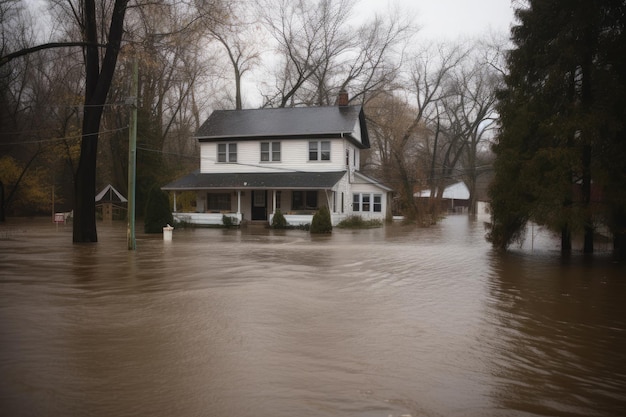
(205, 218)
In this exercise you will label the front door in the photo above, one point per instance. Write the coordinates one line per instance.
(259, 205)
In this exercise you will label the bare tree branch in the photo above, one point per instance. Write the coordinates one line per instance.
(26, 51)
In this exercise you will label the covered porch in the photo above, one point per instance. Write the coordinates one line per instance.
(257, 197)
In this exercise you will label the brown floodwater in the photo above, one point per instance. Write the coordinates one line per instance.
(396, 321)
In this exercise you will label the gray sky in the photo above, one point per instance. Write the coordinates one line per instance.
(452, 19)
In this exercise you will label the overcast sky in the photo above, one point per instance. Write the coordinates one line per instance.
(452, 19)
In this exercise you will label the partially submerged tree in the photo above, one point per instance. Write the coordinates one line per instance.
(429, 74)
(99, 73)
(321, 222)
(396, 157)
(157, 211)
(562, 113)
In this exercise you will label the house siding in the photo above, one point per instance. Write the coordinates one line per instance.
(294, 156)
(365, 188)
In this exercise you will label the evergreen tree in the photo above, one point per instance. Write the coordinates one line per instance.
(562, 106)
(279, 221)
(321, 222)
(158, 213)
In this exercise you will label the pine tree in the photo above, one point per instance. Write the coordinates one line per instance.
(158, 213)
(321, 222)
(555, 122)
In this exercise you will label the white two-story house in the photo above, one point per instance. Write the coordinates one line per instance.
(254, 162)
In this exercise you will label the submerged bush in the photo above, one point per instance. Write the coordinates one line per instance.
(158, 214)
(279, 221)
(228, 221)
(321, 222)
(357, 222)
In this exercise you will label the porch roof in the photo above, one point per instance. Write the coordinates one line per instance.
(256, 180)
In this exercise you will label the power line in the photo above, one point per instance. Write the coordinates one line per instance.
(26, 142)
(143, 148)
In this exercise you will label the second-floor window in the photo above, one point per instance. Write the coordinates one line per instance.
(270, 151)
(319, 150)
(226, 152)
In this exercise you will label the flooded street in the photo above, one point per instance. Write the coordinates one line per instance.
(396, 321)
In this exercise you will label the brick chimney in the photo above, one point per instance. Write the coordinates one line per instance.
(342, 99)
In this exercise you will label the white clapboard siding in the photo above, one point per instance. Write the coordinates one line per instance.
(294, 157)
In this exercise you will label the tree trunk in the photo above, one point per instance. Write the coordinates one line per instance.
(587, 100)
(2, 218)
(618, 229)
(97, 83)
(619, 245)
(84, 226)
(586, 190)
(566, 240)
(238, 103)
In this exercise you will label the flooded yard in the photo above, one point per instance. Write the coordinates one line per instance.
(395, 321)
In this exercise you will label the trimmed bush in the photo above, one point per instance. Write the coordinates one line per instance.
(321, 222)
(158, 214)
(279, 221)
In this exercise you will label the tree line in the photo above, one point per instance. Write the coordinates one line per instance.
(430, 107)
(553, 108)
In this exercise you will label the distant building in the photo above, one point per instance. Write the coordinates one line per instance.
(455, 197)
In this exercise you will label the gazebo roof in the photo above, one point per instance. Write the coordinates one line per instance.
(110, 195)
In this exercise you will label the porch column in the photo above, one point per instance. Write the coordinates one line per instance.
(330, 207)
(273, 201)
(328, 202)
(239, 203)
(174, 201)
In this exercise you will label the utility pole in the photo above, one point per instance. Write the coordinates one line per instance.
(132, 158)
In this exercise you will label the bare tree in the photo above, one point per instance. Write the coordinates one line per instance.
(238, 35)
(38, 110)
(464, 119)
(99, 73)
(321, 51)
(480, 84)
(426, 88)
(372, 65)
(168, 39)
(395, 154)
(309, 35)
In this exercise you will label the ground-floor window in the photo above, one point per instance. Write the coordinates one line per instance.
(366, 202)
(218, 202)
(304, 200)
(378, 203)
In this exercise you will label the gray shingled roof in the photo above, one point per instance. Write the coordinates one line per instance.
(256, 180)
(293, 122)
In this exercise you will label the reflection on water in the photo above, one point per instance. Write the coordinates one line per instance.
(559, 335)
(396, 321)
